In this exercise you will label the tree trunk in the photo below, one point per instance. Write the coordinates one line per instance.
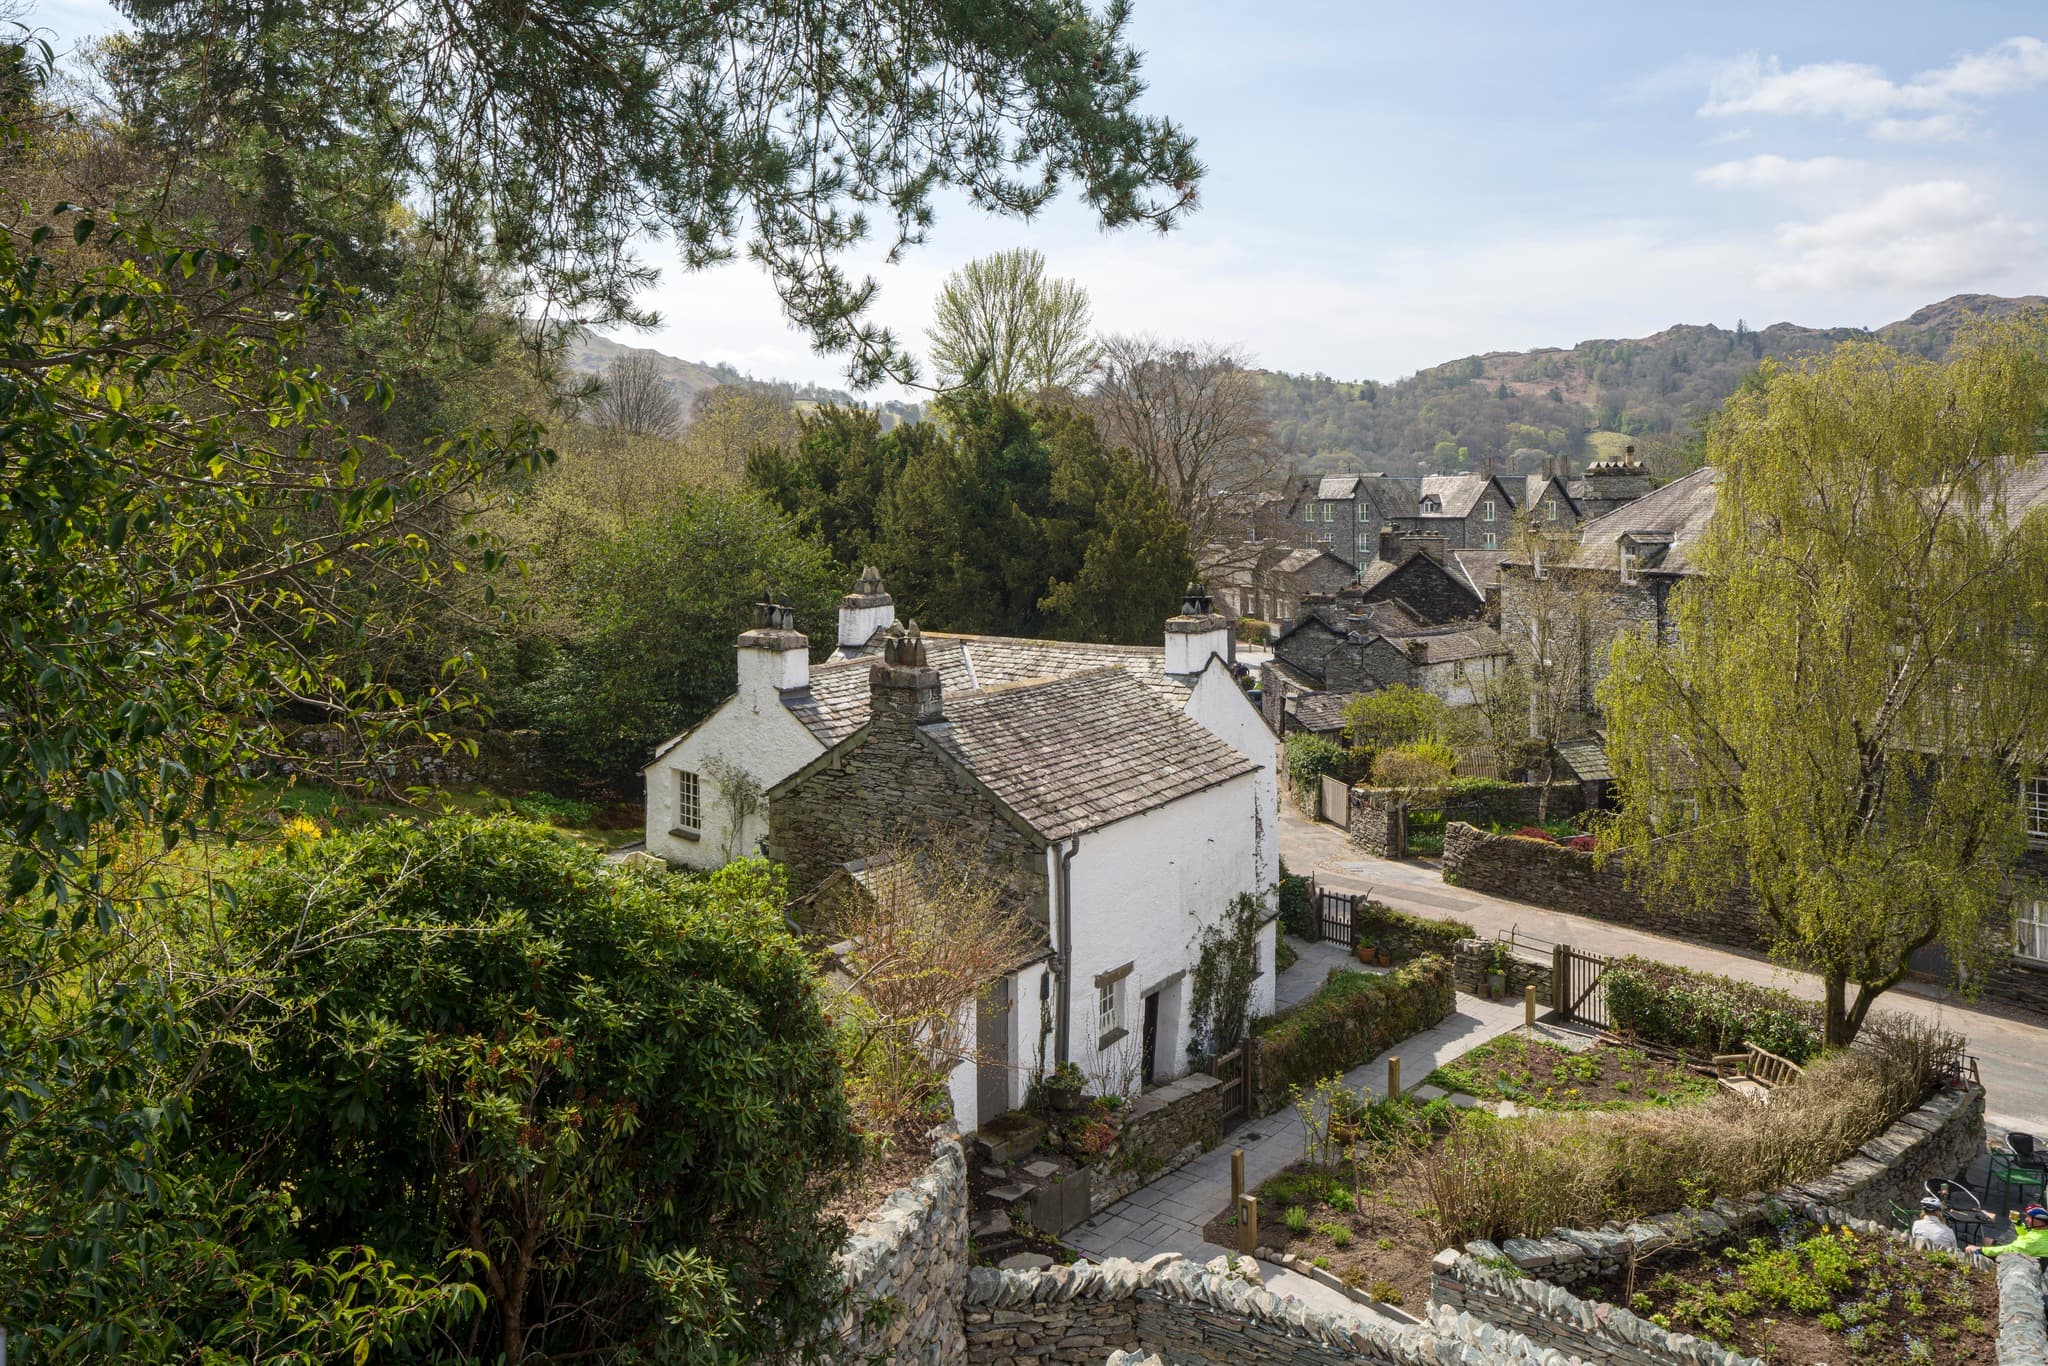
(1836, 1029)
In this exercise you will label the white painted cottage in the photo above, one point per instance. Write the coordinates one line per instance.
(1128, 792)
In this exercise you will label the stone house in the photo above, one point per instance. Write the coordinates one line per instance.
(706, 788)
(1337, 651)
(1545, 498)
(1610, 485)
(1419, 578)
(1268, 580)
(1120, 825)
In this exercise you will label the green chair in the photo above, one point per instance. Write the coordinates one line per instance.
(2018, 1169)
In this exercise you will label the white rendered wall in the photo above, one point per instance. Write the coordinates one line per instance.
(1143, 891)
(1190, 651)
(753, 730)
(964, 1080)
(1220, 707)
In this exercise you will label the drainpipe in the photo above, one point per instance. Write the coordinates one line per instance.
(1063, 891)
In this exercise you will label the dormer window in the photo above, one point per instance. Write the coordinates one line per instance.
(1642, 550)
(1432, 503)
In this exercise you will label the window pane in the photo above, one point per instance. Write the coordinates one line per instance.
(689, 813)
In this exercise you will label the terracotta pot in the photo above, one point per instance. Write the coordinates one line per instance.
(1365, 953)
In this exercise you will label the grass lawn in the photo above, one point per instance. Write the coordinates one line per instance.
(266, 805)
(1813, 1294)
(1531, 1072)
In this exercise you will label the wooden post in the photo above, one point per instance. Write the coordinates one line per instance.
(1236, 1176)
(1393, 1077)
(1529, 1005)
(1248, 1225)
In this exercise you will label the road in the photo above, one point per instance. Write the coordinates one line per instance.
(2012, 1054)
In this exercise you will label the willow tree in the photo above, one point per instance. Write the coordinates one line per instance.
(1854, 688)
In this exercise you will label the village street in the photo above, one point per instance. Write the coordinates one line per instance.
(2012, 1054)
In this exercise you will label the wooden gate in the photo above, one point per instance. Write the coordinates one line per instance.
(1233, 1069)
(1334, 915)
(1335, 807)
(1578, 984)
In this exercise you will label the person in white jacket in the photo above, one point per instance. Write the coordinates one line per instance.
(1931, 1228)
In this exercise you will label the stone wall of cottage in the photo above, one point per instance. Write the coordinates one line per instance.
(1545, 874)
(1192, 1315)
(1427, 588)
(1308, 646)
(905, 1267)
(894, 785)
(1613, 606)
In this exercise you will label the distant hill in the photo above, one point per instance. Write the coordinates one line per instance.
(590, 354)
(1462, 414)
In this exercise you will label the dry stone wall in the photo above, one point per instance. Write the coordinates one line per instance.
(2022, 1337)
(1545, 874)
(1554, 1317)
(905, 1267)
(1193, 1316)
(1166, 1127)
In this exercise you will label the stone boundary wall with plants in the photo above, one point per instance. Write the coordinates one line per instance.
(1485, 802)
(1193, 1316)
(1472, 962)
(1377, 825)
(1554, 1317)
(2022, 1336)
(1939, 1138)
(1351, 1020)
(1519, 1285)
(906, 1264)
(1545, 874)
(1166, 1126)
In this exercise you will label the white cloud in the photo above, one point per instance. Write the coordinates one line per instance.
(1928, 107)
(1769, 171)
(1931, 235)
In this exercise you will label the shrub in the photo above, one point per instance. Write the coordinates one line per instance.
(1698, 1010)
(1309, 759)
(1355, 1016)
(1252, 631)
(545, 806)
(1297, 908)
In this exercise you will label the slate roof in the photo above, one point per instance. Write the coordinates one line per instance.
(1338, 486)
(1478, 569)
(1445, 647)
(1321, 712)
(1682, 509)
(1587, 758)
(1460, 493)
(836, 703)
(1393, 495)
(1074, 754)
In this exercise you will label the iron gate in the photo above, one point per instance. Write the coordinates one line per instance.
(1579, 986)
(1333, 916)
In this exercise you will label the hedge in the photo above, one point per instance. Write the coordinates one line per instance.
(1309, 758)
(1406, 936)
(1681, 1008)
(1354, 1018)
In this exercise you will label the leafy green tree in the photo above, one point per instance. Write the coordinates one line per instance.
(1002, 325)
(834, 480)
(1399, 715)
(1854, 685)
(543, 151)
(1021, 522)
(614, 1094)
(639, 615)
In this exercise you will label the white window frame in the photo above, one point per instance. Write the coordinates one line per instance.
(1631, 562)
(1488, 507)
(1491, 539)
(2030, 930)
(2034, 807)
(1109, 1009)
(1329, 512)
(1550, 510)
(1364, 546)
(689, 802)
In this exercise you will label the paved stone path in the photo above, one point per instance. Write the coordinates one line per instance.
(1168, 1214)
(2013, 1053)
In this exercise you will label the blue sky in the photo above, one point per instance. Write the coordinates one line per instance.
(1390, 187)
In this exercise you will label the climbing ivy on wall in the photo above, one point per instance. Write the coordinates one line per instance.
(1220, 1008)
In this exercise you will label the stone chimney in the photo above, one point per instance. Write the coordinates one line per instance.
(775, 657)
(1418, 651)
(1612, 483)
(1196, 634)
(1396, 545)
(864, 611)
(903, 687)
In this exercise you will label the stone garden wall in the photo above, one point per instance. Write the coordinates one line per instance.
(1520, 1284)
(1514, 804)
(1472, 962)
(1167, 1126)
(910, 1258)
(1378, 826)
(2022, 1338)
(1192, 1315)
(1545, 874)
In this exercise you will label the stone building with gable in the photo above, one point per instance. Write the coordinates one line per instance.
(1121, 826)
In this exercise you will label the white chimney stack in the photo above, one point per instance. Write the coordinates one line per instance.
(1196, 634)
(775, 657)
(863, 612)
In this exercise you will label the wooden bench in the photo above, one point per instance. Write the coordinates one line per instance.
(1755, 1072)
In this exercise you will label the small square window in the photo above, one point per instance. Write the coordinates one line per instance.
(689, 809)
(1109, 1016)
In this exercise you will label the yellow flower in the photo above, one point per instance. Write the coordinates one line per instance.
(302, 827)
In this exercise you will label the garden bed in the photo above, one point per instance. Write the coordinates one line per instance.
(1532, 1072)
(1818, 1295)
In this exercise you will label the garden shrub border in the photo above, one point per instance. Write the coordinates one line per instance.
(1407, 936)
(1703, 1011)
(1353, 1018)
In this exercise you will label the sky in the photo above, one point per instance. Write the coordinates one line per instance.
(1394, 186)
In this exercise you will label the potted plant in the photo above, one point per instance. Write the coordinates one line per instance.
(1365, 952)
(1497, 960)
(1063, 1087)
